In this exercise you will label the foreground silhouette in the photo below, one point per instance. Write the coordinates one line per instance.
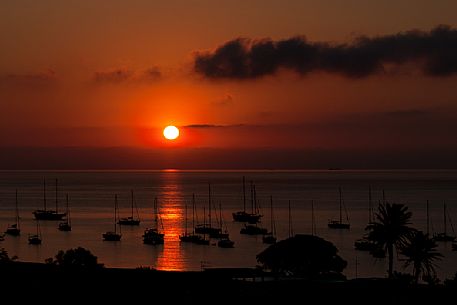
(78, 259)
(304, 256)
(420, 252)
(390, 229)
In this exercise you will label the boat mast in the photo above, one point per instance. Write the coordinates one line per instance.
(209, 204)
(193, 213)
(185, 219)
(44, 193)
(341, 215)
(115, 211)
(68, 213)
(131, 191)
(428, 220)
(17, 213)
(57, 209)
(370, 209)
(271, 213)
(290, 222)
(255, 201)
(244, 195)
(252, 198)
(313, 225)
(444, 215)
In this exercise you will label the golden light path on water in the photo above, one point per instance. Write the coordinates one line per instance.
(170, 211)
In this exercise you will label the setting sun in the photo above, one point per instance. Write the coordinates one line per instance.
(171, 132)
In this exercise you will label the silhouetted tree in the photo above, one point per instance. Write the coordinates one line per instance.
(4, 257)
(303, 255)
(390, 229)
(78, 258)
(420, 252)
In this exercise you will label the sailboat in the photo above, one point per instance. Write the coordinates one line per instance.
(48, 214)
(224, 241)
(364, 244)
(270, 237)
(243, 216)
(339, 224)
(66, 224)
(113, 235)
(130, 221)
(206, 228)
(253, 229)
(444, 236)
(192, 237)
(35, 239)
(152, 236)
(15, 228)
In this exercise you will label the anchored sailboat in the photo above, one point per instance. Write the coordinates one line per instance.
(243, 216)
(444, 236)
(66, 224)
(15, 228)
(113, 235)
(152, 236)
(35, 239)
(270, 237)
(339, 224)
(206, 228)
(130, 221)
(48, 214)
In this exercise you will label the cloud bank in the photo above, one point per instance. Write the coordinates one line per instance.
(434, 52)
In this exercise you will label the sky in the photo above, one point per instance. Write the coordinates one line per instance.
(251, 84)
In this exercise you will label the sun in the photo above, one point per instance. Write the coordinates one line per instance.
(171, 132)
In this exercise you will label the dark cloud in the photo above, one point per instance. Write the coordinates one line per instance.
(435, 52)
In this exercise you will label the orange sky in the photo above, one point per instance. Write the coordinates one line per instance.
(114, 73)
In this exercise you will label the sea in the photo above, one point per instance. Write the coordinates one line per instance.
(91, 203)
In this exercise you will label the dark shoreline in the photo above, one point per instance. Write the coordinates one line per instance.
(49, 284)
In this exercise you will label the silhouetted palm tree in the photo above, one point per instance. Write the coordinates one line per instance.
(390, 229)
(421, 253)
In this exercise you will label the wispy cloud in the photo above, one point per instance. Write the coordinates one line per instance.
(227, 100)
(39, 79)
(124, 75)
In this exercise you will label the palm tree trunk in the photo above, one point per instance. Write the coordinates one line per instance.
(416, 273)
(390, 250)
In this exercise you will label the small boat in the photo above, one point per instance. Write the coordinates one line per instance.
(35, 239)
(15, 228)
(270, 237)
(152, 236)
(253, 230)
(113, 235)
(131, 221)
(48, 214)
(66, 225)
(339, 224)
(364, 244)
(443, 236)
(225, 243)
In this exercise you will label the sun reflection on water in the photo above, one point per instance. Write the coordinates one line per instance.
(171, 212)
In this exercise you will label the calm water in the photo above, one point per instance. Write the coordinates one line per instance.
(92, 197)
